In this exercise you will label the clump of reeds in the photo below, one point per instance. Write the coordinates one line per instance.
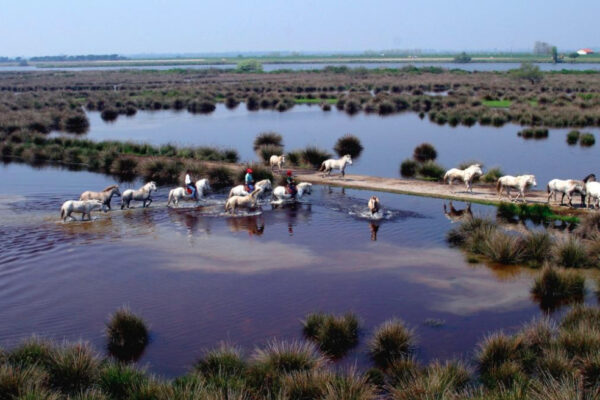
(267, 138)
(127, 335)
(572, 253)
(335, 335)
(391, 341)
(555, 286)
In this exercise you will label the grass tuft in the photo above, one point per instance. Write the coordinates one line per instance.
(127, 335)
(391, 341)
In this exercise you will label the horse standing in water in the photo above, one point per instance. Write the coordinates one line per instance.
(142, 194)
(248, 201)
(374, 205)
(466, 175)
(240, 190)
(104, 196)
(520, 183)
(568, 187)
(329, 165)
(281, 194)
(85, 207)
(178, 194)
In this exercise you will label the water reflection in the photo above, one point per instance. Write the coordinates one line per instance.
(253, 224)
(457, 215)
(374, 228)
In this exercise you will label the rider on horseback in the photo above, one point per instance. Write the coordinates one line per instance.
(190, 187)
(249, 181)
(291, 183)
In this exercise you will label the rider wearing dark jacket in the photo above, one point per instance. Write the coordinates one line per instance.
(291, 183)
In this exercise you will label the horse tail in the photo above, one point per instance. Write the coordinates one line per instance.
(548, 188)
(62, 212)
(498, 186)
(170, 197)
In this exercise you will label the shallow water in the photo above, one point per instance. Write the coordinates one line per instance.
(387, 140)
(316, 66)
(199, 277)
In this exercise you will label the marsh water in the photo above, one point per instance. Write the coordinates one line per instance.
(387, 140)
(200, 277)
(269, 67)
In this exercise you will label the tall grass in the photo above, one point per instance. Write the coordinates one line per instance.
(555, 286)
(335, 335)
(127, 335)
(391, 341)
(267, 138)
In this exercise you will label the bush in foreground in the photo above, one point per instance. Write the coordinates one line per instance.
(335, 335)
(392, 341)
(127, 335)
(555, 286)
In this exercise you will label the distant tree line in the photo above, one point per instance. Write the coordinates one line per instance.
(88, 57)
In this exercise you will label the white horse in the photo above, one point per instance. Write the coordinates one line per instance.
(180, 193)
(331, 164)
(240, 190)
(104, 196)
(374, 204)
(248, 201)
(302, 188)
(593, 191)
(85, 207)
(568, 187)
(466, 175)
(277, 161)
(142, 194)
(520, 183)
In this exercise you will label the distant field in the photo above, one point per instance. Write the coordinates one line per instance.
(442, 58)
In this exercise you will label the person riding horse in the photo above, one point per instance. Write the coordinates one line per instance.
(249, 181)
(191, 188)
(291, 183)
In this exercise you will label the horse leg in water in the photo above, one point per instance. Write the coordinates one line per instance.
(149, 200)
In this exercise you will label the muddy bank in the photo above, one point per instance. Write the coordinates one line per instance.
(482, 193)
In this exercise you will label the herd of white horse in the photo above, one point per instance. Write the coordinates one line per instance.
(238, 197)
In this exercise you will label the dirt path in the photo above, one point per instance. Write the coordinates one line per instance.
(482, 193)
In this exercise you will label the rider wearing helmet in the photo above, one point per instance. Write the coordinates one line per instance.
(291, 183)
(249, 180)
(191, 188)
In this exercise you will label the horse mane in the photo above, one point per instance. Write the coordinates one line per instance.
(590, 178)
(109, 188)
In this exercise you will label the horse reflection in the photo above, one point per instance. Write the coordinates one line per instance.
(374, 228)
(254, 224)
(191, 220)
(294, 212)
(455, 215)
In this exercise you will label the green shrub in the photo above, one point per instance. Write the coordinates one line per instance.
(424, 152)
(219, 177)
(314, 156)
(348, 144)
(408, 168)
(124, 167)
(77, 124)
(17, 381)
(503, 248)
(431, 171)
(119, 381)
(392, 341)
(587, 139)
(492, 175)
(537, 248)
(573, 137)
(33, 351)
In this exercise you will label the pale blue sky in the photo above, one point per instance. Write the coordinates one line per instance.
(49, 27)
